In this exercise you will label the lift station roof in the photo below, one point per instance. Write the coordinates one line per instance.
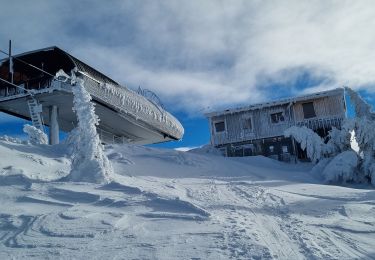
(125, 115)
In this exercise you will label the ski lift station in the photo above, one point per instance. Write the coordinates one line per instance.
(33, 87)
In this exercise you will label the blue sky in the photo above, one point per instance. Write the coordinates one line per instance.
(207, 55)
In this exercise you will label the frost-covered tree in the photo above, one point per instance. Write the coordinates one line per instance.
(338, 140)
(309, 141)
(89, 162)
(362, 108)
(35, 135)
(364, 128)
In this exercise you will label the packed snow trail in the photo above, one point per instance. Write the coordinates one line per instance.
(177, 205)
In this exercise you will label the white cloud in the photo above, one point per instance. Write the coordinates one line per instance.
(185, 149)
(197, 54)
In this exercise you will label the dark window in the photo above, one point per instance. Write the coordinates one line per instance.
(238, 152)
(277, 117)
(248, 152)
(246, 124)
(308, 110)
(219, 127)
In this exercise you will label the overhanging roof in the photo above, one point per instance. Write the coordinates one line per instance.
(52, 59)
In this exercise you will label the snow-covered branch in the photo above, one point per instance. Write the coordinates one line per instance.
(309, 141)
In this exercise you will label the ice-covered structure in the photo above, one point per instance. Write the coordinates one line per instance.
(337, 160)
(259, 129)
(30, 89)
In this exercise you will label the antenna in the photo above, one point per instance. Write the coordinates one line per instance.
(11, 72)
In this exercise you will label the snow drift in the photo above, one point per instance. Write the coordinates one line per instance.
(35, 135)
(176, 205)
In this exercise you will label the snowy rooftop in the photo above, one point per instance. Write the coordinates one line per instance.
(337, 91)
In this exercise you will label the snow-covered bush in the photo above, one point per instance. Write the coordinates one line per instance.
(11, 139)
(342, 168)
(309, 141)
(89, 162)
(339, 139)
(35, 135)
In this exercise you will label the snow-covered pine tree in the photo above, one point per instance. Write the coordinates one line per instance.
(89, 162)
(364, 125)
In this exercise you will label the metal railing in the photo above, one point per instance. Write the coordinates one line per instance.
(130, 103)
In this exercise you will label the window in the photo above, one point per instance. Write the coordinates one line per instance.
(271, 148)
(277, 118)
(285, 149)
(220, 127)
(308, 110)
(247, 124)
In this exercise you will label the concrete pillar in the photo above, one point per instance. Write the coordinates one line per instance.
(54, 125)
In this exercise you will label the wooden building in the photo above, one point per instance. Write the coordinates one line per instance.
(259, 129)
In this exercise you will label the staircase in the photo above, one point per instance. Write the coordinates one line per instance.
(35, 113)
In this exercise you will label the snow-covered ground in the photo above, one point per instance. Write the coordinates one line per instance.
(167, 204)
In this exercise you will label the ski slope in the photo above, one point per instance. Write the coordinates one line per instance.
(166, 204)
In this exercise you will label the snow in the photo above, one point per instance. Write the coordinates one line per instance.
(35, 135)
(89, 163)
(362, 108)
(341, 168)
(167, 204)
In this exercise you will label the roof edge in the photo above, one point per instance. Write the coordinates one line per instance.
(326, 93)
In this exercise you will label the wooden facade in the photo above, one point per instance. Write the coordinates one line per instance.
(259, 129)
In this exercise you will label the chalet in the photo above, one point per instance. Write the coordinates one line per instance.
(259, 129)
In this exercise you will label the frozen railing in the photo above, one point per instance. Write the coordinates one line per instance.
(316, 123)
(25, 89)
(152, 97)
(274, 131)
(229, 137)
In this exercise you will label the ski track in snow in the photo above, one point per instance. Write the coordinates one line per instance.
(173, 205)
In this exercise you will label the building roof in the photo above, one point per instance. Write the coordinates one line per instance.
(334, 92)
(54, 59)
(122, 112)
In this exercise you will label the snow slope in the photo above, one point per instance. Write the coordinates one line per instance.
(167, 204)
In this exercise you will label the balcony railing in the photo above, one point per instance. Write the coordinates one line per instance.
(228, 137)
(240, 136)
